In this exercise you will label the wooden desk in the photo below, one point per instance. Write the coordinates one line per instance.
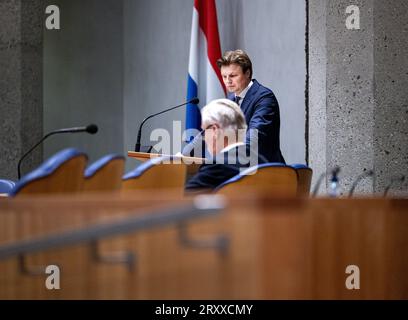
(193, 163)
(280, 248)
(143, 156)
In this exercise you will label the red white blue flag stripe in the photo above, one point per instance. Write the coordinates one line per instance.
(204, 77)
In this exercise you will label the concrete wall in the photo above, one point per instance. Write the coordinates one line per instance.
(358, 107)
(156, 42)
(274, 36)
(390, 93)
(349, 93)
(317, 88)
(83, 76)
(21, 79)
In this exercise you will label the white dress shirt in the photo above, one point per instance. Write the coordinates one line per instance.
(243, 93)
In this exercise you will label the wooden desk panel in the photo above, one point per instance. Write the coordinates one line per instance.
(289, 248)
(144, 156)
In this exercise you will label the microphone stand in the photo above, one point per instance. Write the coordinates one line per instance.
(318, 183)
(335, 171)
(394, 179)
(368, 173)
(32, 148)
(139, 133)
(92, 129)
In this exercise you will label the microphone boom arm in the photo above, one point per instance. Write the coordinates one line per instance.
(32, 148)
(92, 129)
(363, 175)
(139, 133)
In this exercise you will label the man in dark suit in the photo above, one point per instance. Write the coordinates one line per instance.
(258, 103)
(224, 129)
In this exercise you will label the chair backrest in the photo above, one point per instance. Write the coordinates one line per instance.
(304, 178)
(157, 173)
(61, 173)
(276, 178)
(6, 185)
(105, 174)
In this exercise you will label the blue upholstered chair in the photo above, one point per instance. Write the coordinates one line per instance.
(105, 174)
(6, 185)
(304, 178)
(61, 173)
(157, 173)
(275, 178)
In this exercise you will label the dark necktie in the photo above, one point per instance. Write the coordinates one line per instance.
(237, 99)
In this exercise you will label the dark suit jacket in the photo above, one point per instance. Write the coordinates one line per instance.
(261, 110)
(211, 175)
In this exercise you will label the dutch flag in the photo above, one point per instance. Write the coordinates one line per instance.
(204, 77)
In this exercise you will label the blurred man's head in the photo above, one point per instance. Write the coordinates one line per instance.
(236, 70)
(224, 124)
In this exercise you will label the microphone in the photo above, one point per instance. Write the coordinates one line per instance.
(393, 179)
(198, 139)
(139, 134)
(334, 182)
(335, 171)
(368, 173)
(91, 129)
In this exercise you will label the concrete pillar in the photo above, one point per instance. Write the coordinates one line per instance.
(317, 88)
(350, 107)
(21, 32)
(357, 114)
(391, 93)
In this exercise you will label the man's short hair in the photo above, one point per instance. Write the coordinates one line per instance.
(224, 112)
(238, 57)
